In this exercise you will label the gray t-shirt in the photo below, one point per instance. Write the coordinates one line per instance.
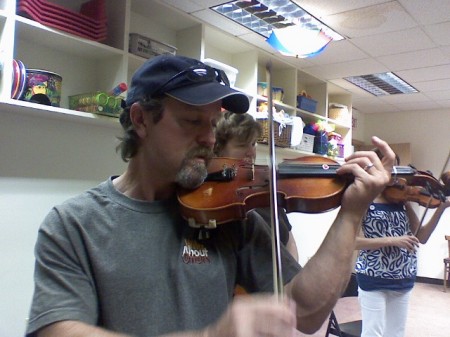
(136, 267)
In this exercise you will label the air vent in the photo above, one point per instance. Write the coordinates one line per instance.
(382, 84)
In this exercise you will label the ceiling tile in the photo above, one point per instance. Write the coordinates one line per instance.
(439, 33)
(339, 51)
(444, 103)
(208, 3)
(404, 98)
(395, 42)
(377, 107)
(187, 6)
(323, 8)
(446, 51)
(438, 95)
(429, 11)
(425, 74)
(378, 19)
(415, 59)
(412, 106)
(436, 85)
(344, 69)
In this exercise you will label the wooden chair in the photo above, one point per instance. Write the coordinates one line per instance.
(447, 264)
(347, 329)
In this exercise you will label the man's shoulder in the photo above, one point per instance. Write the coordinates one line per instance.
(90, 196)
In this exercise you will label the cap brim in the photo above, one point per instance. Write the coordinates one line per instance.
(206, 93)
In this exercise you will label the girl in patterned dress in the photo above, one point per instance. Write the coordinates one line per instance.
(386, 265)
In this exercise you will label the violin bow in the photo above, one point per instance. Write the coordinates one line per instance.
(445, 165)
(425, 211)
(275, 226)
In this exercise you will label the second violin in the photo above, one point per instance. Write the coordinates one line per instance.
(400, 191)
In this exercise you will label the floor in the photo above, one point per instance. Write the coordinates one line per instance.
(429, 312)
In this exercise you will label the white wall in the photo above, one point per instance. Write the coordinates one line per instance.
(309, 230)
(43, 162)
(428, 132)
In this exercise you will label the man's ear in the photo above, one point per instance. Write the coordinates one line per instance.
(140, 119)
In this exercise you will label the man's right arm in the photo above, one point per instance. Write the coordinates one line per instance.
(247, 316)
(75, 329)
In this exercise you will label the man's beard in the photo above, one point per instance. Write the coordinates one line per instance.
(193, 173)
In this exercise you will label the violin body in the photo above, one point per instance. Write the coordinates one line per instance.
(218, 202)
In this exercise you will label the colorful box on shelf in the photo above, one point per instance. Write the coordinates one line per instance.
(145, 47)
(98, 102)
(307, 104)
(277, 92)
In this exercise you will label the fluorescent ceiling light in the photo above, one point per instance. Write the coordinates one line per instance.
(382, 84)
(264, 16)
(298, 42)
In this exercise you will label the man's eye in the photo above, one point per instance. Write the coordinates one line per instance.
(193, 121)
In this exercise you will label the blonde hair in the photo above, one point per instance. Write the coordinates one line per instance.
(242, 127)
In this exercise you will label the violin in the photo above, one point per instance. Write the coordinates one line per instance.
(427, 180)
(445, 177)
(401, 191)
(307, 184)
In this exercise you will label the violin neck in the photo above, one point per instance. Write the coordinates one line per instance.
(403, 171)
(326, 170)
(307, 170)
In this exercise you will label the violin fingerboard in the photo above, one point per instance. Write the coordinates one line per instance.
(307, 170)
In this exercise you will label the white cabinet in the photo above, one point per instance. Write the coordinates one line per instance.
(84, 65)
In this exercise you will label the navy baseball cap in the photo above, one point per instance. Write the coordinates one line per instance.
(187, 80)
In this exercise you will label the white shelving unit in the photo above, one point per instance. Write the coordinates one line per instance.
(89, 66)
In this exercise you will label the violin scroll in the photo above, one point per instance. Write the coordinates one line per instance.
(400, 191)
(445, 177)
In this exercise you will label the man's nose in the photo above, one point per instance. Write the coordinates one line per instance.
(207, 136)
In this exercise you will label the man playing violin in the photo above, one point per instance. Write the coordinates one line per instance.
(119, 259)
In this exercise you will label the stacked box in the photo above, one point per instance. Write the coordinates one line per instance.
(146, 47)
(306, 103)
(98, 102)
